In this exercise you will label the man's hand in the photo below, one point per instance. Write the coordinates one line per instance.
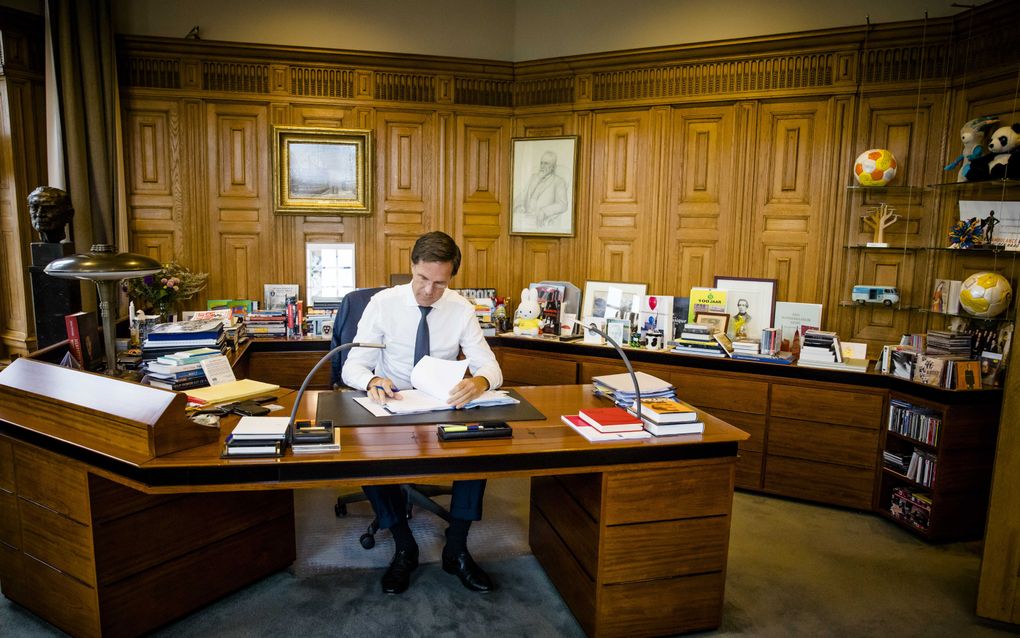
(381, 389)
(466, 390)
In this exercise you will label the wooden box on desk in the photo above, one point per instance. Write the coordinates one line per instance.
(109, 415)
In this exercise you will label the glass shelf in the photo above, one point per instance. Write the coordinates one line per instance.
(994, 249)
(888, 189)
(893, 248)
(1005, 318)
(977, 187)
(879, 306)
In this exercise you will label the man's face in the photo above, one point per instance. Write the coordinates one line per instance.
(429, 280)
(742, 306)
(546, 165)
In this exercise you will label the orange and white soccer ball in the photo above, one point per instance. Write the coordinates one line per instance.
(985, 294)
(875, 167)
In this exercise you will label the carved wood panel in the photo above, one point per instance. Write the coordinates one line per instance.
(482, 201)
(700, 197)
(246, 253)
(620, 175)
(153, 178)
(787, 232)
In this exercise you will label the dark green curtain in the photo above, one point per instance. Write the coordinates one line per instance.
(86, 71)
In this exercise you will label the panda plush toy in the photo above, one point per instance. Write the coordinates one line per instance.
(1004, 160)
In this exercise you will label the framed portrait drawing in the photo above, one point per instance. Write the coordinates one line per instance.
(717, 320)
(608, 300)
(322, 171)
(543, 183)
(750, 303)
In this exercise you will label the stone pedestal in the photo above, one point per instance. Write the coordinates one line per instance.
(53, 298)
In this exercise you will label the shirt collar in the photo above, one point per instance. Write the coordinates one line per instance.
(409, 300)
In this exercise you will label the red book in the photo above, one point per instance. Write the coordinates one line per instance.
(610, 419)
(83, 338)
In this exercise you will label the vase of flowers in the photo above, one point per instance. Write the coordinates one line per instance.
(165, 290)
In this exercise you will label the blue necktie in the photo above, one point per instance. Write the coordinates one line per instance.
(421, 340)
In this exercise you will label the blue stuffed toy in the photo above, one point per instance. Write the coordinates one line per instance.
(973, 136)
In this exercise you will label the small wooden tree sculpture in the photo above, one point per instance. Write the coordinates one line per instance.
(879, 219)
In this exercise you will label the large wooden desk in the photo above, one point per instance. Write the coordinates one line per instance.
(634, 535)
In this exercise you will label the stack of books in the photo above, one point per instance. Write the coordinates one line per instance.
(606, 424)
(168, 338)
(257, 436)
(664, 417)
(620, 387)
(820, 349)
(697, 339)
(745, 347)
(180, 370)
(267, 323)
(946, 342)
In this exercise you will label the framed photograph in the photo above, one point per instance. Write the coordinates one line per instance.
(542, 191)
(610, 300)
(322, 171)
(717, 320)
(750, 303)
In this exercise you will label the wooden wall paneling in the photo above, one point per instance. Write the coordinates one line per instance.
(700, 214)
(483, 155)
(784, 240)
(155, 193)
(22, 169)
(841, 260)
(406, 173)
(193, 165)
(240, 203)
(544, 258)
(892, 268)
(620, 218)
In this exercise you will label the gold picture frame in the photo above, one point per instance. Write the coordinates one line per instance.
(322, 171)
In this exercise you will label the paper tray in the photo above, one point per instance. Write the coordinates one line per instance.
(341, 408)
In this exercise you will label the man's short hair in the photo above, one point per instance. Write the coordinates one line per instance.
(436, 246)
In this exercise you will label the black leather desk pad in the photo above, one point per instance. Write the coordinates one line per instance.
(345, 413)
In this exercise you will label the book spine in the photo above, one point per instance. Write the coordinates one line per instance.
(74, 338)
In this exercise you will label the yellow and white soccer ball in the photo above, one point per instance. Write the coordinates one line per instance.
(875, 167)
(985, 294)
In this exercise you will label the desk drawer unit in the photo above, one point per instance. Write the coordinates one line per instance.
(823, 444)
(647, 558)
(97, 558)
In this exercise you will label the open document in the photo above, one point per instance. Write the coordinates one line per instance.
(433, 379)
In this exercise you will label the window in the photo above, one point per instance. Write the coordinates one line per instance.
(330, 272)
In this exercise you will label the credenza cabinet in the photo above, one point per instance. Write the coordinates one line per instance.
(815, 434)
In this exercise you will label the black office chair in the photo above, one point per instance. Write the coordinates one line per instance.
(345, 327)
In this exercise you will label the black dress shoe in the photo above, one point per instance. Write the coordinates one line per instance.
(470, 574)
(398, 575)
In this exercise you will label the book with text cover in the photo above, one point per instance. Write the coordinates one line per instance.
(706, 300)
(928, 370)
(794, 318)
(83, 338)
(585, 429)
(612, 419)
(666, 411)
(968, 375)
(671, 429)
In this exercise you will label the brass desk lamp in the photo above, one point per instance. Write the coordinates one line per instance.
(106, 267)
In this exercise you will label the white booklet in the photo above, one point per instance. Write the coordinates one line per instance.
(433, 379)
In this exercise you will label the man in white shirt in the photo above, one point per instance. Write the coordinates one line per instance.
(424, 317)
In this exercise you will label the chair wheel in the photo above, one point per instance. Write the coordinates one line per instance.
(367, 541)
(340, 508)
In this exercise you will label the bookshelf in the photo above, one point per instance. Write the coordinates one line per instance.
(941, 490)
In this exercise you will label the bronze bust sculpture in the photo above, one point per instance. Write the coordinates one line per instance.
(51, 211)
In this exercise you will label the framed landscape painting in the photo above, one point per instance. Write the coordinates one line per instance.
(321, 171)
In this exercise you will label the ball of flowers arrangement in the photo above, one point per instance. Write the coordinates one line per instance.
(966, 233)
(165, 290)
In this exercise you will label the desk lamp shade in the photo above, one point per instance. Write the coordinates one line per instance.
(106, 267)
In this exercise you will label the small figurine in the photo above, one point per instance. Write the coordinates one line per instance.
(988, 226)
(879, 219)
(528, 318)
(51, 211)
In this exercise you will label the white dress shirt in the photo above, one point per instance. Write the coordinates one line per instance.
(392, 317)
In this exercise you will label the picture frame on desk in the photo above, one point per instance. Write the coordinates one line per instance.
(611, 300)
(322, 171)
(542, 192)
(750, 303)
(718, 321)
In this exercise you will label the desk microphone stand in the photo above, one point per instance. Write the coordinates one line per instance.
(326, 357)
(626, 361)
